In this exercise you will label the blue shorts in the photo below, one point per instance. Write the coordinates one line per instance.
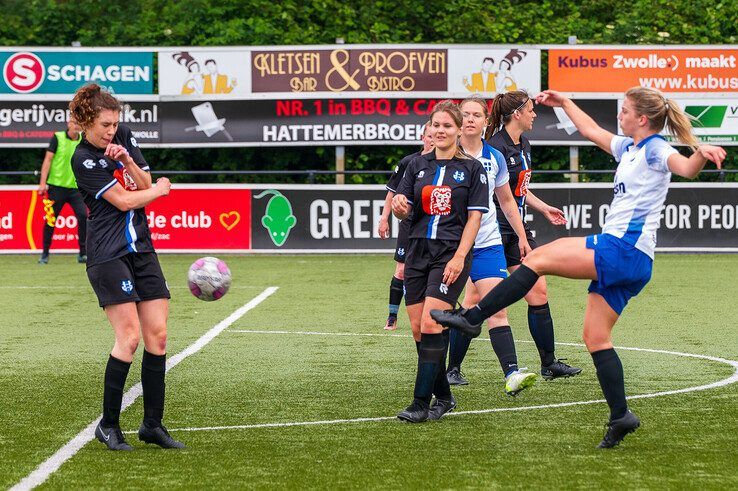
(622, 270)
(488, 262)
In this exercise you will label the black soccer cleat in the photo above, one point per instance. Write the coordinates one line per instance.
(618, 428)
(455, 319)
(441, 407)
(559, 369)
(44, 259)
(417, 412)
(158, 435)
(112, 438)
(82, 258)
(455, 377)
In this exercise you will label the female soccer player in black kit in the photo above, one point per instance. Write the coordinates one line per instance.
(444, 193)
(122, 266)
(513, 113)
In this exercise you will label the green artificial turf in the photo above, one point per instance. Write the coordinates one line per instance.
(54, 343)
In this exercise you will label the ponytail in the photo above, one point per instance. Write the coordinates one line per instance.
(662, 112)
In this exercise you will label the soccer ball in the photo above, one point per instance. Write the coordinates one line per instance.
(209, 278)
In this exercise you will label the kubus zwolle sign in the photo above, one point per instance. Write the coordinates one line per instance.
(64, 71)
(337, 71)
(326, 218)
(670, 69)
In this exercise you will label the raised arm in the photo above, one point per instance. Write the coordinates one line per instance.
(690, 167)
(584, 123)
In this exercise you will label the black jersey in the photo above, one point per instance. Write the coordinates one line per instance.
(441, 193)
(111, 233)
(519, 167)
(396, 177)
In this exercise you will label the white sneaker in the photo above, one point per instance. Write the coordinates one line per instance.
(518, 381)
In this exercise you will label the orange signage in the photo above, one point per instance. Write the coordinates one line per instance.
(618, 69)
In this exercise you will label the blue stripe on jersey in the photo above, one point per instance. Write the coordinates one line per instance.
(635, 227)
(130, 231)
(433, 222)
(105, 188)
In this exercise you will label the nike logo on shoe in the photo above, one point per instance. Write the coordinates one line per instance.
(106, 437)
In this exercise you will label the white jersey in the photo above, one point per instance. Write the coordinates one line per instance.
(641, 183)
(497, 175)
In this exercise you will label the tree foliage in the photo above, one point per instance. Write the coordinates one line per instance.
(298, 22)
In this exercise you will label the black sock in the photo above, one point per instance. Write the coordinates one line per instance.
(395, 296)
(541, 328)
(153, 369)
(116, 372)
(432, 347)
(441, 388)
(48, 235)
(509, 291)
(459, 345)
(612, 382)
(504, 346)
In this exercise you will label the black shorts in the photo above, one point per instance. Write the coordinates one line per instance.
(426, 260)
(512, 251)
(402, 240)
(135, 277)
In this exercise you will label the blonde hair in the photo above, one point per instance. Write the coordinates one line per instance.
(447, 106)
(89, 101)
(662, 112)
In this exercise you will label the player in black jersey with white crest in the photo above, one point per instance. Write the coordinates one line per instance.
(122, 266)
(513, 114)
(396, 288)
(444, 193)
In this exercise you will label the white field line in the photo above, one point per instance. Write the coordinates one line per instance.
(50, 465)
(720, 383)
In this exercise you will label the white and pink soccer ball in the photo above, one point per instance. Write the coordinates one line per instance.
(209, 278)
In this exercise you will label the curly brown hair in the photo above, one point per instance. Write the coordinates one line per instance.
(89, 101)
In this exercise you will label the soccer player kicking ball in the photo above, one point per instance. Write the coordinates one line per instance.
(619, 260)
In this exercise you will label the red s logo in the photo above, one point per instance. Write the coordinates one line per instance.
(523, 180)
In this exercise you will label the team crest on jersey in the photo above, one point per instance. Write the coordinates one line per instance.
(437, 200)
(523, 181)
(512, 162)
(125, 179)
(126, 286)
(103, 163)
(459, 176)
(400, 252)
(421, 174)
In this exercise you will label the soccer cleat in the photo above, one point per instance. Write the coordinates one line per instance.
(391, 323)
(518, 381)
(82, 258)
(559, 369)
(618, 428)
(441, 407)
(455, 377)
(158, 435)
(455, 318)
(112, 438)
(417, 412)
(44, 259)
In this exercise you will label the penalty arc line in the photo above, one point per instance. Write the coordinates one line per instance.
(52, 464)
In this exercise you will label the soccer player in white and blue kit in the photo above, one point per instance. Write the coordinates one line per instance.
(619, 260)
